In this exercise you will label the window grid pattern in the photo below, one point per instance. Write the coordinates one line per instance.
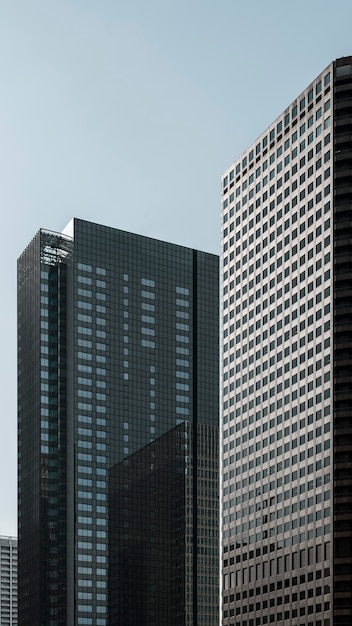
(276, 369)
(134, 339)
(8, 581)
(92, 445)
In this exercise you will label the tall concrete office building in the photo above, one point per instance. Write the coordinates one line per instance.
(286, 365)
(118, 430)
(8, 581)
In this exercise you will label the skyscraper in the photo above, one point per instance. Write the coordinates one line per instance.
(8, 581)
(118, 391)
(286, 365)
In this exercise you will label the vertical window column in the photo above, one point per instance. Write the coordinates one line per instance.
(182, 354)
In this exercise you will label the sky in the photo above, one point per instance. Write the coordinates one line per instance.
(126, 114)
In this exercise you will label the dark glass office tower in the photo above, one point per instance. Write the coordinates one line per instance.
(287, 365)
(118, 398)
(154, 513)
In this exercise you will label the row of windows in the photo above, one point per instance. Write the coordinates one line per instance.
(272, 501)
(181, 410)
(267, 487)
(280, 125)
(274, 266)
(300, 294)
(86, 280)
(308, 403)
(89, 281)
(286, 209)
(264, 412)
(293, 539)
(279, 181)
(290, 220)
(270, 471)
(284, 384)
(277, 296)
(91, 499)
(275, 421)
(289, 334)
(317, 449)
(274, 618)
(273, 391)
(286, 368)
(283, 401)
(310, 518)
(87, 520)
(275, 280)
(263, 381)
(88, 306)
(285, 146)
(84, 267)
(307, 173)
(283, 243)
(283, 563)
(279, 245)
(307, 288)
(88, 608)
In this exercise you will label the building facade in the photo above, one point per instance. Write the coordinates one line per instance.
(117, 354)
(152, 499)
(8, 581)
(286, 366)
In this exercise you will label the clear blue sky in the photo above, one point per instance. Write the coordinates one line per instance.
(126, 113)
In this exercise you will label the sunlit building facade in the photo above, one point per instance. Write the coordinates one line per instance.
(286, 366)
(8, 581)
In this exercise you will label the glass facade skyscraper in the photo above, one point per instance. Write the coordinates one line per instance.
(286, 366)
(117, 391)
